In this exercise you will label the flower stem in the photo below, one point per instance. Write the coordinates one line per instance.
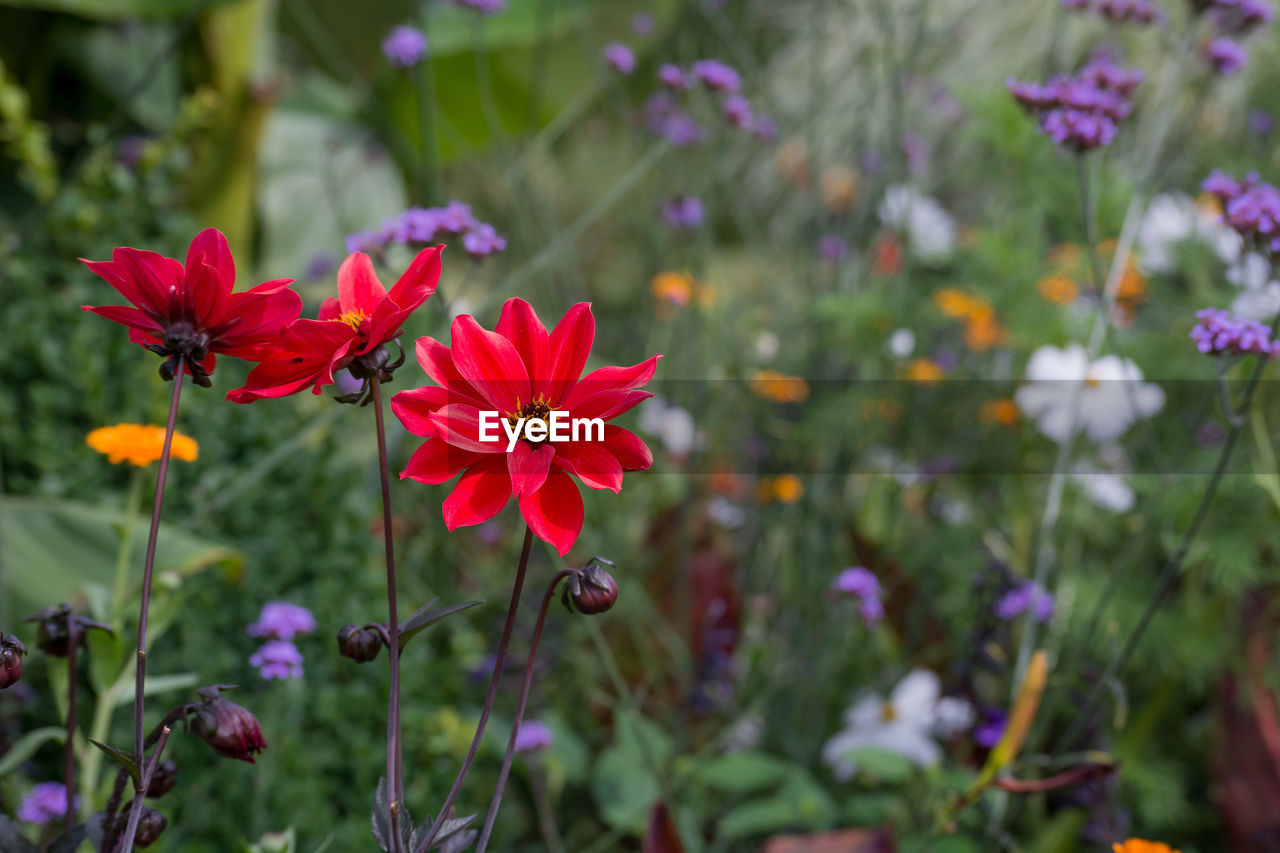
(395, 770)
(69, 748)
(496, 802)
(141, 676)
(516, 589)
(139, 798)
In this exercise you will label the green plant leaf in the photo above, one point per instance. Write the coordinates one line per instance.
(624, 789)
(26, 746)
(52, 550)
(109, 10)
(742, 772)
(124, 759)
(424, 617)
(157, 684)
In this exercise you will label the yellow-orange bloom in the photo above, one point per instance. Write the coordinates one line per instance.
(984, 332)
(673, 288)
(1003, 412)
(839, 188)
(139, 444)
(779, 387)
(957, 303)
(787, 489)
(925, 371)
(1057, 288)
(1138, 845)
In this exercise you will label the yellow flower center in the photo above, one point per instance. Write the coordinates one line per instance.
(352, 318)
(887, 713)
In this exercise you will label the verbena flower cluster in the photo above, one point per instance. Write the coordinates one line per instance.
(280, 622)
(47, 801)
(858, 582)
(423, 226)
(1250, 207)
(1119, 11)
(1026, 596)
(1219, 332)
(404, 47)
(1232, 20)
(1081, 111)
(683, 212)
(665, 116)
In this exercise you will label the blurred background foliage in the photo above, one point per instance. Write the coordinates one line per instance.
(714, 684)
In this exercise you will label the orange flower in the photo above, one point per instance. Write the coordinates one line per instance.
(925, 371)
(1066, 258)
(793, 162)
(984, 333)
(1003, 412)
(1138, 845)
(1132, 290)
(839, 188)
(957, 303)
(673, 288)
(139, 445)
(787, 489)
(779, 387)
(1058, 288)
(884, 409)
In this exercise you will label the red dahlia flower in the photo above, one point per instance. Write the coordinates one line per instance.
(189, 310)
(363, 317)
(521, 371)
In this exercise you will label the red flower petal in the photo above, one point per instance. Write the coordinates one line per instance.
(358, 285)
(491, 364)
(459, 424)
(570, 345)
(609, 404)
(211, 246)
(414, 408)
(419, 280)
(480, 493)
(611, 379)
(436, 462)
(520, 325)
(437, 360)
(627, 447)
(127, 315)
(330, 309)
(158, 279)
(593, 464)
(206, 301)
(554, 512)
(528, 467)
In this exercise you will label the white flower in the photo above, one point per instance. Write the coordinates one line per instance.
(905, 723)
(901, 343)
(672, 424)
(1259, 298)
(725, 513)
(766, 345)
(1107, 490)
(1174, 218)
(930, 231)
(1061, 380)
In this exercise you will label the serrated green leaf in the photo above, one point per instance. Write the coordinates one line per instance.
(124, 759)
(27, 745)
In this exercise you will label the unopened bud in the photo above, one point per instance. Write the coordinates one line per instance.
(53, 630)
(151, 824)
(163, 779)
(359, 644)
(591, 590)
(11, 651)
(231, 730)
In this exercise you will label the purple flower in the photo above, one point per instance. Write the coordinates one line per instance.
(484, 7)
(1225, 56)
(1119, 11)
(1251, 207)
(988, 733)
(673, 77)
(716, 75)
(1219, 332)
(765, 127)
(278, 659)
(282, 620)
(363, 241)
(856, 581)
(319, 266)
(483, 241)
(1028, 595)
(832, 248)
(620, 58)
(683, 212)
(737, 111)
(1239, 17)
(47, 801)
(455, 217)
(1081, 111)
(681, 129)
(642, 24)
(533, 736)
(404, 47)
(871, 611)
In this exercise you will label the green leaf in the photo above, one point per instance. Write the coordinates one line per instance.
(52, 550)
(624, 789)
(380, 818)
(274, 842)
(124, 759)
(157, 684)
(883, 764)
(742, 772)
(26, 746)
(424, 617)
(801, 804)
(642, 737)
(109, 10)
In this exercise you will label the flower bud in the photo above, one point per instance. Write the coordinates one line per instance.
(359, 644)
(592, 590)
(150, 825)
(11, 651)
(53, 630)
(231, 730)
(163, 779)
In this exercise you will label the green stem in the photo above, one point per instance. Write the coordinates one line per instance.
(132, 504)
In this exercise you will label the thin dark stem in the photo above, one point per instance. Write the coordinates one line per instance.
(1173, 567)
(140, 682)
(117, 791)
(68, 749)
(496, 802)
(395, 771)
(140, 796)
(516, 589)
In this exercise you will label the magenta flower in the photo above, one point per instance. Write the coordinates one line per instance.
(533, 736)
(1220, 332)
(737, 111)
(282, 620)
(46, 802)
(620, 58)
(673, 77)
(1027, 596)
(683, 212)
(278, 659)
(404, 47)
(1225, 56)
(717, 76)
